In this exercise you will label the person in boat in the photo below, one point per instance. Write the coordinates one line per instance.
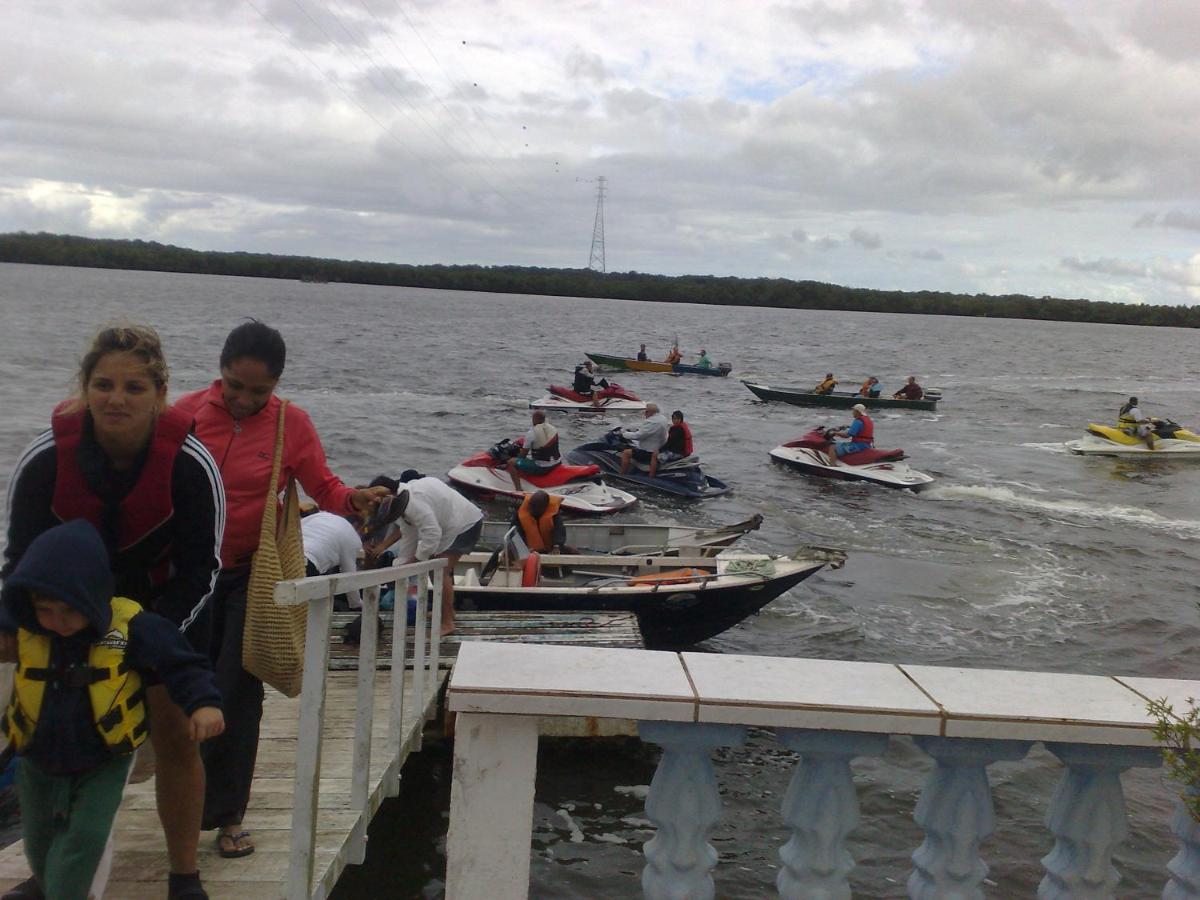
(540, 519)
(78, 709)
(910, 391)
(1132, 422)
(647, 439)
(870, 388)
(860, 435)
(826, 386)
(425, 519)
(642, 355)
(674, 356)
(678, 445)
(704, 362)
(539, 450)
(586, 382)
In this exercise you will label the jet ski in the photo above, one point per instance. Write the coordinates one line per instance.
(681, 477)
(1110, 440)
(613, 397)
(810, 454)
(579, 487)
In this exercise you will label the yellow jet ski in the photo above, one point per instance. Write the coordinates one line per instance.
(1122, 440)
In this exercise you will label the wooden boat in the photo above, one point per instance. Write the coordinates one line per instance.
(679, 601)
(843, 399)
(649, 365)
(627, 538)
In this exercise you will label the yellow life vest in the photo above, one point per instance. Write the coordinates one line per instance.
(116, 690)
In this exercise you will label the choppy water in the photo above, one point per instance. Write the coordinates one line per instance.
(1021, 556)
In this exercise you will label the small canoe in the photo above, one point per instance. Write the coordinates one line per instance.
(843, 399)
(637, 365)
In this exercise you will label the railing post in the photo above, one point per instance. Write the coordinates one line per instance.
(1087, 819)
(956, 812)
(419, 632)
(491, 807)
(308, 749)
(435, 630)
(821, 808)
(684, 803)
(1184, 866)
(364, 720)
(396, 720)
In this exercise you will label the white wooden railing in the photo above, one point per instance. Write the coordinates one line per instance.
(318, 592)
(829, 712)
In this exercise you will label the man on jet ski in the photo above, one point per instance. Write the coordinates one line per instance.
(539, 450)
(860, 435)
(678, 445)
(647, 439)
(1132, 422)
(587, 383)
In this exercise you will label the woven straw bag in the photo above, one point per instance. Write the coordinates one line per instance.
(273, 641)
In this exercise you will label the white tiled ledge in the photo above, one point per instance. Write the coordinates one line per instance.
(544, 680)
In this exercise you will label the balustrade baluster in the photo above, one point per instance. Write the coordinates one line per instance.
(684, 803)
(956, 812)
(1184, 865)
(821, 808)
(1087, 819)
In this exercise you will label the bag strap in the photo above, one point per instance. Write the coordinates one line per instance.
(267, 530)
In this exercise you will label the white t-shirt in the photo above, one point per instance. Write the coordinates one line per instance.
(436, 514)
(330, 540)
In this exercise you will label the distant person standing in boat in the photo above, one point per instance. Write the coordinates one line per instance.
(119, 457)
(586, 382)
(704, 362)
(860, 435)
(1133, 423)
(674, 356)
(539, 450)
(647, 438)
(910, 391)
(826, 386)
(870, 388)
(642, 355)
(237, 419)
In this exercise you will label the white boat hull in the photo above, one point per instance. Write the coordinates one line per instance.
(609, 404)
(580, 496)
(898, 474)
(1090, 445)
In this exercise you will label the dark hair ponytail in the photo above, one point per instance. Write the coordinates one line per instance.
(256, 340)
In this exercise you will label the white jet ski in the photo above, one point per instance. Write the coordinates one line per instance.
(613, 398)
(810, 454)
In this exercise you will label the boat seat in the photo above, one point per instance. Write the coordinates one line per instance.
(470, 578)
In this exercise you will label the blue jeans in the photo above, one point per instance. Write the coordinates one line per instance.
(841, 448)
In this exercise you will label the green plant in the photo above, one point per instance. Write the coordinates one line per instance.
(1179, 736)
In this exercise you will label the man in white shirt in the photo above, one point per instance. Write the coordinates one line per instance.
(647, 439)
(539, 450)
(427, 518)
(331, 542)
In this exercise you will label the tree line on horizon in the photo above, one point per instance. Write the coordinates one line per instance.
(69, 250)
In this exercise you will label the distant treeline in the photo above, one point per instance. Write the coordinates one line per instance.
(67, 250)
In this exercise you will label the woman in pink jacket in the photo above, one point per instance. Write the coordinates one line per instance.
(236, 419)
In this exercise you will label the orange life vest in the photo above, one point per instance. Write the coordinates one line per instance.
(539, 532)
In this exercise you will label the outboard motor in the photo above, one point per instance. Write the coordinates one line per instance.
(933, 394)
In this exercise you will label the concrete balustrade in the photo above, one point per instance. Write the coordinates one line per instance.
(829, 712)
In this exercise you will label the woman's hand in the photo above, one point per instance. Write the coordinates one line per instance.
(206, 722)
(365, 500)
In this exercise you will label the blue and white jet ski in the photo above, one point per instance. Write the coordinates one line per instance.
(682, 477)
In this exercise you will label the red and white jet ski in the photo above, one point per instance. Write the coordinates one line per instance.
(612, 398)
(579, 487)
(810, 454)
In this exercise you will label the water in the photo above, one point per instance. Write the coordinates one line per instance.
(1021, 556)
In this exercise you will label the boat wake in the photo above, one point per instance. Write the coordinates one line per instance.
(1068, 508)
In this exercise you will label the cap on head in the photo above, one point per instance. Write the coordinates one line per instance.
(859, 408)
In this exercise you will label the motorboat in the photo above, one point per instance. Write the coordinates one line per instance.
(612, 398)
(681, 477)
(841, 399)
(648, 365)
(810, 454)
(579, 487)
(626, 538)
(678, 601)
(1109, 440)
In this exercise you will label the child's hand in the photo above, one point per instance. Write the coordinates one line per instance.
(206, 722)
(8, 647)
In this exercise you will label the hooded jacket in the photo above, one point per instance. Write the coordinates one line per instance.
(70, 563)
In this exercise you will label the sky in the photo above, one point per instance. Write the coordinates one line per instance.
(977, 146)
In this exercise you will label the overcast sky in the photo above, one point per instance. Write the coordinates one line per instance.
(993, 146)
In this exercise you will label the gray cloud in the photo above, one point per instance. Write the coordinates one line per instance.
(868, 240)
(1106, 266)
(930, 255)
(1176, 218)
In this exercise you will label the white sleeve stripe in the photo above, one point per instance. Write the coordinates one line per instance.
(195, 449)
(39, 443)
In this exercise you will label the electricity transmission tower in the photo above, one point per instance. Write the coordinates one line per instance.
(596, 258)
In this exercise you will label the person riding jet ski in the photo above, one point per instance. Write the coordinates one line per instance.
(1132, 422)
(860, 435)
(587, 383)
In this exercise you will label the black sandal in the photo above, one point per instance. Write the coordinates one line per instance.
(234, 852)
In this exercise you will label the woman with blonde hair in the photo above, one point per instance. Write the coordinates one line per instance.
(117, 456)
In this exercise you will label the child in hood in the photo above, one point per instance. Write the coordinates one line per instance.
(78, 709)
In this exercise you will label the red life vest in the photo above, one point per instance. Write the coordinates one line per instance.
(867, 435)
(687, 437)
(147, 506)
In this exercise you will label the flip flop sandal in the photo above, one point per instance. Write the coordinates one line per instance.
(235, 852)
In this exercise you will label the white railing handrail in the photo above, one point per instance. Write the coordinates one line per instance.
(318, 592)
